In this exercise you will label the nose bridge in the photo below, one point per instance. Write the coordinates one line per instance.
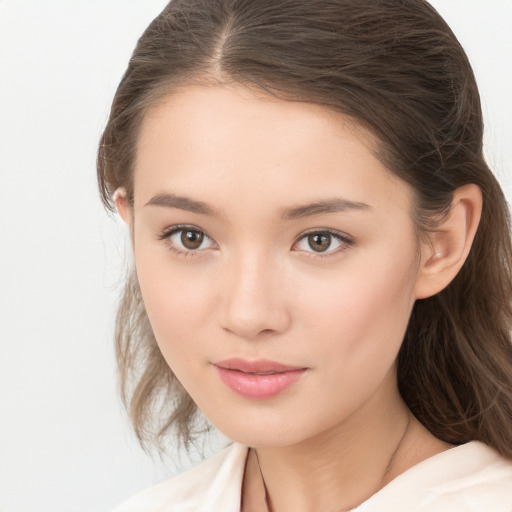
(253, 299)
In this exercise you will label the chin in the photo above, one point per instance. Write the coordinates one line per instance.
(274, 432)
(261, 439)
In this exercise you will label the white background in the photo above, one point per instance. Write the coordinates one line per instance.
(65, 445)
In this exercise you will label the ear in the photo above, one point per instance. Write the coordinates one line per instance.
(122, 206)
(446, 249)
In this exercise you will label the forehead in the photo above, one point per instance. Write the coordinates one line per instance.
(225, 141)
(228, 107)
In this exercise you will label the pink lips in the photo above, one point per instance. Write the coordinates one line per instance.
(257, 379)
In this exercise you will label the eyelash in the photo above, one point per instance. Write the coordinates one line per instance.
(166, 235)
(344, 240)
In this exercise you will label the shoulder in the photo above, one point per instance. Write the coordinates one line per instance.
(467, 478)
(213, 485)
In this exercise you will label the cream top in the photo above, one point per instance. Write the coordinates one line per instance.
(467, 478)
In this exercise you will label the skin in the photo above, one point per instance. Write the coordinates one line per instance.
(256, 289)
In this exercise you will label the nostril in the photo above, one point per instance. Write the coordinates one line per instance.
(251, 330)
(262, 333)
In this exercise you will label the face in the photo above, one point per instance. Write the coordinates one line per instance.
(277, 260)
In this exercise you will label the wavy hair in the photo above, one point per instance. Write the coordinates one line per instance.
(398, 70)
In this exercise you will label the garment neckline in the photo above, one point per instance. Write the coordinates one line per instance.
(433, 472)
(410, 474)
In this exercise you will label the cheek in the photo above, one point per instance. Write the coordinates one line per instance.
(363, 310)
(177, 302)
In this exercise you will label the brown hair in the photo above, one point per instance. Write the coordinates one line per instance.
(397, 68)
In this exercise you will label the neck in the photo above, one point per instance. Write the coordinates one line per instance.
(341, 468)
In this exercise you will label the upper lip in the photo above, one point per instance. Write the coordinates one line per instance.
(260, 366)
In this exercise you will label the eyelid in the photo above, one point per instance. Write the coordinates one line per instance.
(167, 233)
(345, 240)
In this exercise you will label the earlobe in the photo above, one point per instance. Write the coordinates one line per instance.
(448, 247)
(123, 208)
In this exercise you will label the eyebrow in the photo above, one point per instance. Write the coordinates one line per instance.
(334, 205)
(182, 203)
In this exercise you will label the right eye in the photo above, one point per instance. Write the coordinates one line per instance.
(187, 239)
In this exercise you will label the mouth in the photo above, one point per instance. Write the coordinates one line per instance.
(259, 379)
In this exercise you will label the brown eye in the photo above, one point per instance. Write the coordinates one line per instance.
(319, 242)
(191, 240)
(187, 240)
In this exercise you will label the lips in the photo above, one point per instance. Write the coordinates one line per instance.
(259, 379)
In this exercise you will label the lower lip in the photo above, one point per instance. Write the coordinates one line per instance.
(259, 386)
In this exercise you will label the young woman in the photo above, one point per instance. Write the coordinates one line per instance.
(322, 259)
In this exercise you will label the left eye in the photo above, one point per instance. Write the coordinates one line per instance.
(321, 242)
(188, 240)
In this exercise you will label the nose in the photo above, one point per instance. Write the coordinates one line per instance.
(254, 301)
